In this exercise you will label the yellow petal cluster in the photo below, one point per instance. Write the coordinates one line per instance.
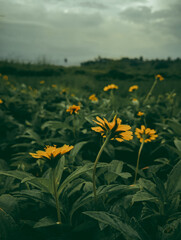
(109, 87)
(5, 77)
(159, 77)
(132, 88)
(114, 129)
(42, 82)
(140, 114)
(63, 91)
(73, 109)
(93, 98)
(52, 152)
(145, 134)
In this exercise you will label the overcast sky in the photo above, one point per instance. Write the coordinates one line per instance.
(81, 30)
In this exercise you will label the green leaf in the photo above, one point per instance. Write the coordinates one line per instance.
(77, 148)
(177, 143)
(175, 126)
(37, 195)
(137, 226)
(141, 196)
(113, 189)
(8, 226)
(115, 166)
(112, 220)
(114, 170)
(45, 222)
(55, 125)
(173, 184)
(81, 170)
(10, 205)
(40, 183)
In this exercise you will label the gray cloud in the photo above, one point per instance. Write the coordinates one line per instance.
(82, 30)
(166, 21)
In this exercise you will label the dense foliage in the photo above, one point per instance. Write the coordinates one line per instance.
(49, 193)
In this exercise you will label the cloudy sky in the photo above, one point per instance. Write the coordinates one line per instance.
(81, 30)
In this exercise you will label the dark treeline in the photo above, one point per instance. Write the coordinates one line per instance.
(100, 68)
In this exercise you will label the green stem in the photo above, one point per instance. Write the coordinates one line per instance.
(112, 98)
(138, 159)
(151, 90)
(95, 164)
(56, 197)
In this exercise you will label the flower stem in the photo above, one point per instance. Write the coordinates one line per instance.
(151, 90)
(138, 159)
(95, 164)
(56, 197)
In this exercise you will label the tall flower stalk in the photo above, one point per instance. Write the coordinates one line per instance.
(138, 159)
(109, 131)
(157, 77)
(95, 164)
(144, 135)
(110, 88)
(52, 155)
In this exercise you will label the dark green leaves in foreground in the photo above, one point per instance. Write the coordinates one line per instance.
(113, 221)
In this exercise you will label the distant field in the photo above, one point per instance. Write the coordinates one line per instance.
(90, 152)
(92, 76)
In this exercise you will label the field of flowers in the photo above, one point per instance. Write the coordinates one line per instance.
(92, 166)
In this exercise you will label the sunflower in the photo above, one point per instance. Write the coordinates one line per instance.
(115, 130)
(140, 114)
(5, 77)
(109, 87)
(145, 134)
(52, 152)
(132, 88)
(73, 109)
(159, 77)
(93, 98)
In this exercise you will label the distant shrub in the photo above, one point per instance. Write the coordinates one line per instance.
(81, 72)
(160, 65)
(114, 74)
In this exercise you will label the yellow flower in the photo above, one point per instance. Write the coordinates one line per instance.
(140, 114)
(111, 86)
(93, 98)
(42, 82)
(63, 91)
(1, 101)
(158, 76)
(73, 109)
(54, 85)
(0, 75)
(113, 129)
(52, 152)
(5, 77)
(135, 102)
(132, 88)
(145, 134)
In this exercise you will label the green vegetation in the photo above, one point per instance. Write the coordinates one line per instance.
(91, 76)
(118, 178)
